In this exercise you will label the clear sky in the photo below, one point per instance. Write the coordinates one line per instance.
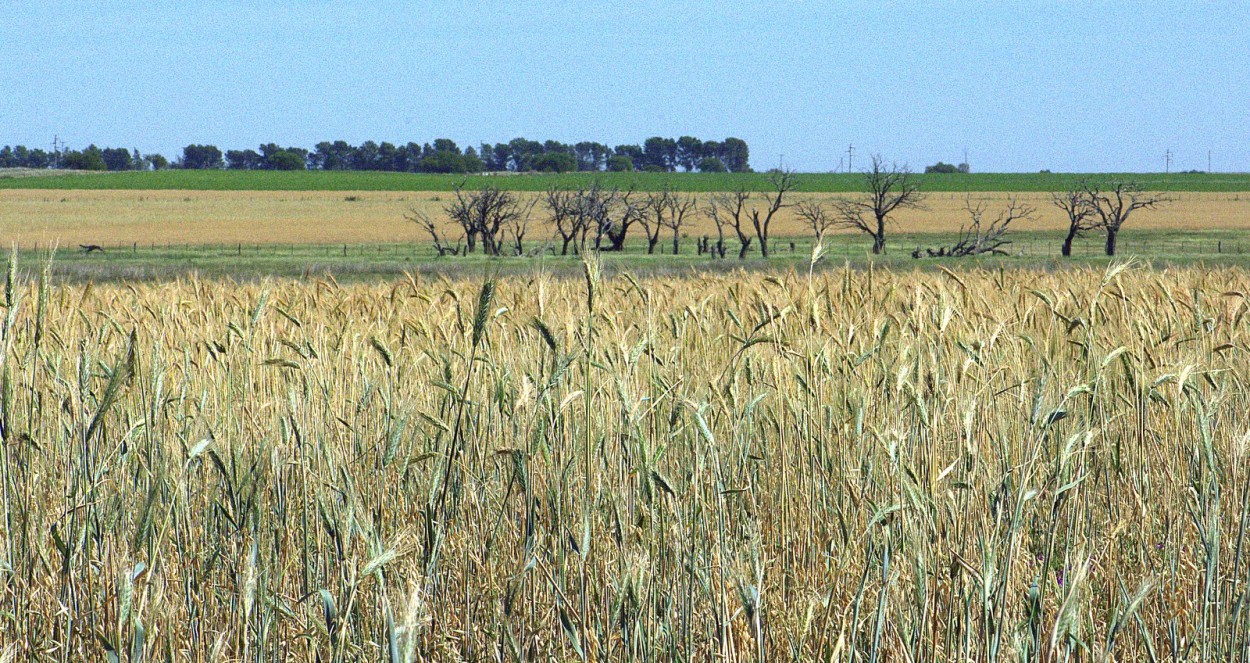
(1022, 86)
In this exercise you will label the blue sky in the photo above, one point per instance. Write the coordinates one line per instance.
(1068, 86)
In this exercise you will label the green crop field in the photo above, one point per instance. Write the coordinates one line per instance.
(227, 180)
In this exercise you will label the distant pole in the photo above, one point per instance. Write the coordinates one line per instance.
(1167, 162)
(1208, 161)
(850, 158)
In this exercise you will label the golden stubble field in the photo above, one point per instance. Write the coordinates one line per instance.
(114, 218)
(861, 465)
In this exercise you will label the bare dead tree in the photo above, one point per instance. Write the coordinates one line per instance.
(484, 214)
(782, 183)
(817, 216)
(563, 216)
(591, 214)
(594, 205)
(626, 212)
(730, 209)
(1114, 205)
(655, 209)
(519, 224)
(716, 250)
(977, 237)
(887, 189)
(1076, 204)
(678, 208)
(441, 243)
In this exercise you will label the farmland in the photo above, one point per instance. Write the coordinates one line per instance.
(269, 422)
(122, 218)
(228, 180)
(922, 466)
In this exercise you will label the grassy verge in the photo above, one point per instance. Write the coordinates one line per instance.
(373, 261)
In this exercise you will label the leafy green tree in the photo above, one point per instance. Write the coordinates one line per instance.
(117, 158)
(446, 145)
(659, 153)
(91, 158)
(591, 156)
(633, 152)
(243, 160)
(689, 151)
(286, 160)
(736, 155)
(366, 157)
(472, 162)
(333, 156)
(712, 165)
(388, 156)
(202, 157)
(556, 162)
(620, 164)
(442, 162)
(521, 154)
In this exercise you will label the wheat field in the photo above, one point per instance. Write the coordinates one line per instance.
(123, 218)
(845, 466)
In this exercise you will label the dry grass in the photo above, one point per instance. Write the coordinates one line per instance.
(283, 217)
(858, 466)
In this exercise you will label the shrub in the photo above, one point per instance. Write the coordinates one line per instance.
(942, 167)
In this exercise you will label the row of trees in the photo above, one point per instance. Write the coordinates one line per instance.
(600, 219)
(597, 218)
(657, 153)
(90, 158)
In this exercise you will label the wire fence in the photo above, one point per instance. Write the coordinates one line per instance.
(849, 246)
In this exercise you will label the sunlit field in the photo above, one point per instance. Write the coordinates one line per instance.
(120, 218)
(853, 465)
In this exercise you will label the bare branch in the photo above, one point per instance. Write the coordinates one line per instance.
(441, 245)
(887, 189)
(980, 238)
(782, 183)
(1114, 204)
(817, 216)
(729, 210)
(1080, 212)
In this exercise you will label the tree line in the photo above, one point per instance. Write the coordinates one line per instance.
(89, 158)
(655, 154)
(593, 217)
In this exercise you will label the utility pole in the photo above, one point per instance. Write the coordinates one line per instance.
(850, 156)
(1208, 161)
(1167, 162)
(56, 152)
